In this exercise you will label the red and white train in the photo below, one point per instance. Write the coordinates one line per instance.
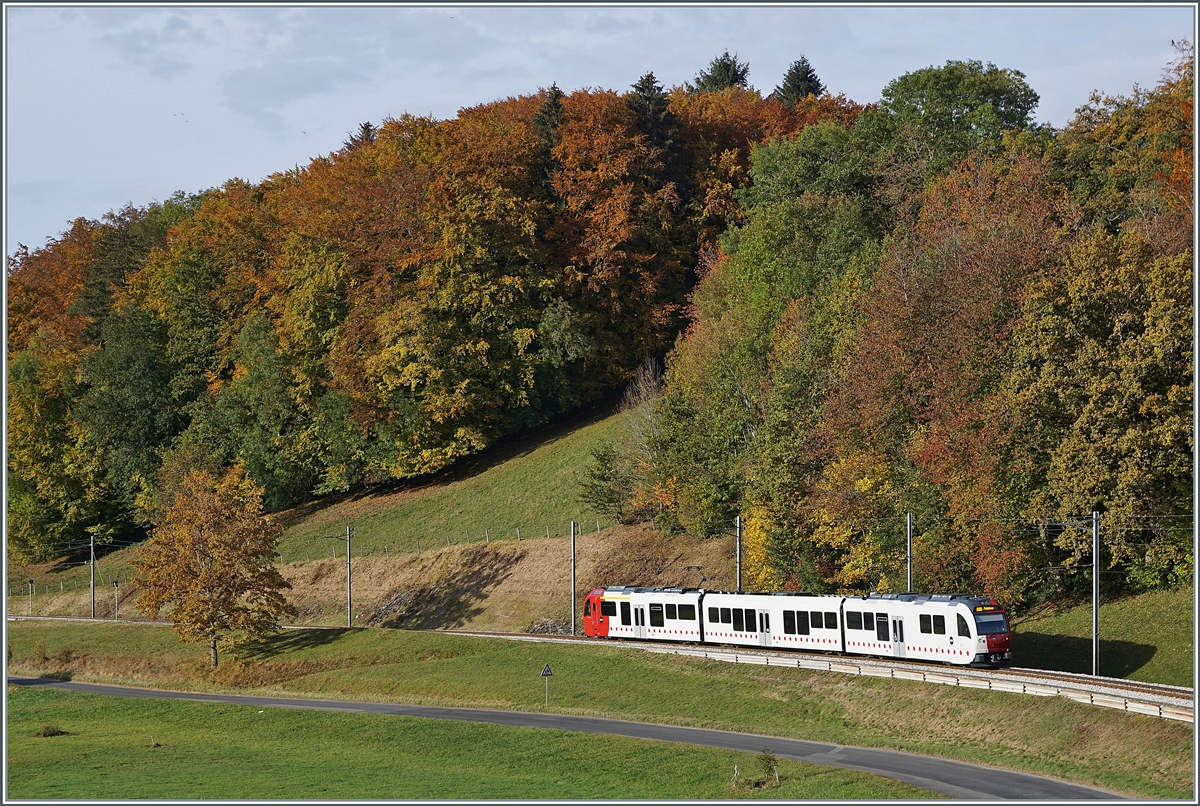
(952, 628)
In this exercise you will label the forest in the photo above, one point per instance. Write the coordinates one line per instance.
(823, 315)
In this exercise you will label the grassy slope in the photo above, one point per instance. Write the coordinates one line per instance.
(531, 485)
(1147, 637)
(1142, 755)
(109, 752)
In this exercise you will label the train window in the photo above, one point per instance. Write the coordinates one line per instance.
(671, 611)
(656, 615)
(816, 620)
(789, 622)
(766, 622)
(962, 627)
(626, 619)
(990, 623)
(751, 620)
(608, 608)
(853, 620)
(802, 622)
(726, 618)
(587, 607)
(831, 621)
(739, 621)
(881, 627)
(687, 612)
(939, 625)
(714, 616)
(868, 621)
(926, 623)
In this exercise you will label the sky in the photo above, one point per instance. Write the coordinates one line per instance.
(105, 106)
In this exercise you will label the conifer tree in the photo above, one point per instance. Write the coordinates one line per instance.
(723, 72)
(799, 82)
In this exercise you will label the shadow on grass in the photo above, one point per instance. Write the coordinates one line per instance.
(286, 641)
(454, 599)
(1064, 653)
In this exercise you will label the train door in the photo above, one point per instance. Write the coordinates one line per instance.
(898, 637)
(639, 621)
(764, 627)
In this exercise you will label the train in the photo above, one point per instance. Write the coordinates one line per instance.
(954, 628)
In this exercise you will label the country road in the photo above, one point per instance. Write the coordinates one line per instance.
(954, 779)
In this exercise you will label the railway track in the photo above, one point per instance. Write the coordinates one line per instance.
(1150, 699)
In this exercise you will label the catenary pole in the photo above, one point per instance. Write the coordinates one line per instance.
(572, 577)
(737, 524)
(93, 565)
(1095, 592)
(909, 529)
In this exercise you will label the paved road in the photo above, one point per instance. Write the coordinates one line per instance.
(954, 779)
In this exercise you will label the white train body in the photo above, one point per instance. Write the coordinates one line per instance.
(951, 628)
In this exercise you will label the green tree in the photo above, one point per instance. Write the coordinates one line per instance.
(209, 564)
(723, 72)
(799, 82)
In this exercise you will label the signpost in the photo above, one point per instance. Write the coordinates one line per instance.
(546, 673)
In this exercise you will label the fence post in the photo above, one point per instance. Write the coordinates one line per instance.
(518, 533)
(547, 532)
(487, 538)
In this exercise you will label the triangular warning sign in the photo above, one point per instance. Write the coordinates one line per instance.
(546, 672)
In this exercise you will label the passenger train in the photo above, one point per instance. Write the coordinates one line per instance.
(951, 628)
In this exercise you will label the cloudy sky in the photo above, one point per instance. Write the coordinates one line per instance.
(109, 105)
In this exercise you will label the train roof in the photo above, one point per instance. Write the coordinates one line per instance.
(970, 599)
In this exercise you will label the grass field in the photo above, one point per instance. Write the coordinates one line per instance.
(1148, 637)
(118, 749)
(1145, 756)
(531, 485)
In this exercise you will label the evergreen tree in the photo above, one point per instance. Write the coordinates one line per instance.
(364, 136)
(723, 72)
(546, 122)
(799, 82)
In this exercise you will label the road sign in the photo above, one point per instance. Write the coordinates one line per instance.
(546, 672)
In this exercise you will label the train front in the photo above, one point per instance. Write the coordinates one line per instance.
(993, 643)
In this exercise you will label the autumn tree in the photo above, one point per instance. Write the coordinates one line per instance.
(209, 563)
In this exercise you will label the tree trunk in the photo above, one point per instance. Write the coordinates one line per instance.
(212, 645)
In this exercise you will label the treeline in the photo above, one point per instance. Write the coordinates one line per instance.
(946, 310)
(431, 287)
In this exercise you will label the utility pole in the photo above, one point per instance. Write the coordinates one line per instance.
(1095, 593)
(31, 598)
(737, 525)
(116, 600)
(909, 524)
(93, 564)
(572, 577)
(347, 538)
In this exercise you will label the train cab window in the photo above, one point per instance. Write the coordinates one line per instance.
(802, 622)
(671, 611)
(853, 620)
(939, 625)
(726, 615)
(656, 615)
(831, 621)
(687, 612)
(739, 621)
(587, 607)
(714, 616)
(881, 627)
(816, 620)
(626, 617)
(751, 620)
(962, 627)
(789, 622)
(608, 608)
(926, 623)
